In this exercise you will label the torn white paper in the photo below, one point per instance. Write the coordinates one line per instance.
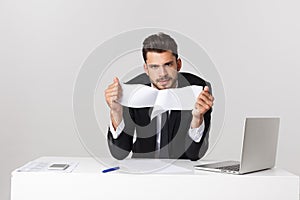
(140, 96)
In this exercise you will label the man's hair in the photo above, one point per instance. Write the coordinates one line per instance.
(159, 43)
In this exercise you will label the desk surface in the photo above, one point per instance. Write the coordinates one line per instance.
(181, 181)
(91, 165)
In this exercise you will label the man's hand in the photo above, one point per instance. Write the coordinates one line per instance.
(203, 103)
(112, 94)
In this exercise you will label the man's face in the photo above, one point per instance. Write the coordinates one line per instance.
(162, 69)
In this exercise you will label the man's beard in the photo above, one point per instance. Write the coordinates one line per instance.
(165, 78)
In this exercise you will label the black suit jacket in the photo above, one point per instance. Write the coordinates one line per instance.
(144, 144)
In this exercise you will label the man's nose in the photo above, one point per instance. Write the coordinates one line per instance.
(162, 70)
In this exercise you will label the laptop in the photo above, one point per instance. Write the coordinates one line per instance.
(258, 149)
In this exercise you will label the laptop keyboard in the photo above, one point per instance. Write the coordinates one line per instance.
(230, 168)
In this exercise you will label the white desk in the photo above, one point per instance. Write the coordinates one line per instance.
(87, 181)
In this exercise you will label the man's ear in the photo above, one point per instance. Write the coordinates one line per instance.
(179, 64)
(146, 69)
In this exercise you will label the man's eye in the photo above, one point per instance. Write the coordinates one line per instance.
(154, 66)
(168, 64)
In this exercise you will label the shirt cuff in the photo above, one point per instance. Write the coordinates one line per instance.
(196, 133)
(118, 131)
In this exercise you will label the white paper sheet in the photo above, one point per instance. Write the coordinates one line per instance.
(156, 166)
(43, 167)
(139, 96)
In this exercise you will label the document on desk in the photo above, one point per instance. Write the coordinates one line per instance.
(156, 166)
(139, 96)
(35, 166)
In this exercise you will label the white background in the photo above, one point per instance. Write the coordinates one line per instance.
(254, 44)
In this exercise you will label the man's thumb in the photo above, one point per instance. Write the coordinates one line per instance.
(116, 80)
(206, 88)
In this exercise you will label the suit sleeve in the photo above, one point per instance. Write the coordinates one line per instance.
(196, 150)
(122, 145)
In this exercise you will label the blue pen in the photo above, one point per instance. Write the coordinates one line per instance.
(110, 169)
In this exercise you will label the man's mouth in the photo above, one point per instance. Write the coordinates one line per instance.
(164, 81)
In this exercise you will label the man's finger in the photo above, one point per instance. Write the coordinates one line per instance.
(206, 88)
(204, 97)
(116, 80)
(207, 102)
(207, 95)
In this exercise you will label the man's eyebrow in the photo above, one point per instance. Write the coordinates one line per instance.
(170, 62)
